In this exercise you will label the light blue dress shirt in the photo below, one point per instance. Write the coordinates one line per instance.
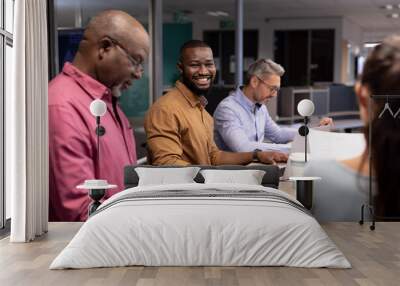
(242, 126)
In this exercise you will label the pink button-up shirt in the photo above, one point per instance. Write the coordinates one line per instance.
(73, 143)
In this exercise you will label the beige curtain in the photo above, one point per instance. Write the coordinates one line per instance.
(26, 123)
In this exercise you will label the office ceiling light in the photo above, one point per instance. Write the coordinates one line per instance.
(218, 13)
(388, 7)
(393, 15)
(223, 14)
(371, 45)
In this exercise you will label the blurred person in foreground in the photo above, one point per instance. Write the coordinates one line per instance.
(345, 184)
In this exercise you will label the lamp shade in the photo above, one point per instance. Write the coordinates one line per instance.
(98, 107)
(305, 107)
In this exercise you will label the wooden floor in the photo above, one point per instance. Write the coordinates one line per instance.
(374, 255)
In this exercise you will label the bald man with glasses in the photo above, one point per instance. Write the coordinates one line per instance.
(109, 59)
(242, 121)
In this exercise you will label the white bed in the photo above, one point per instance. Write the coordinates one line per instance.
(201, 224)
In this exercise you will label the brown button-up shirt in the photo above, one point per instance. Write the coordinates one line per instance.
(180, 131)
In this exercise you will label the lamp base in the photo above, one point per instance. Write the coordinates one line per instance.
(96, 190)
(96, 195)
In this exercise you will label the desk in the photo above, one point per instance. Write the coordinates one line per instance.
(347, 125)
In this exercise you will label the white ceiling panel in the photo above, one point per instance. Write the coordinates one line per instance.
(368, 14)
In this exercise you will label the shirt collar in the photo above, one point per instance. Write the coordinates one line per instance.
(192, 99)
(244, 100)
(94, 88)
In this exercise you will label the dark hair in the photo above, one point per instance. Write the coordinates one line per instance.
(192, 44)
(381, 75)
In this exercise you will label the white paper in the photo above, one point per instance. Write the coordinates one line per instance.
(332, 145)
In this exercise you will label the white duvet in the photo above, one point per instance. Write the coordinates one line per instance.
(185, 230)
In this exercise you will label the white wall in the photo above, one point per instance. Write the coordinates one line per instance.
(373, 36)
(352, 33)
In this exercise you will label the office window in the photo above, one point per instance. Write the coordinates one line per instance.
(6, 43)
(7, 83)
(2, 195)
(312, 61)
(222, 42)
(9, 15)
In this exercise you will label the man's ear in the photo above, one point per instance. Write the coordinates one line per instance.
(362, 93)
(254, 81)
(105, 46)
(179, 66)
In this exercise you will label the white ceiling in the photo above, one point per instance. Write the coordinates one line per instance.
(368, 14)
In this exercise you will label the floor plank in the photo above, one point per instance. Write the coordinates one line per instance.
(374, 255)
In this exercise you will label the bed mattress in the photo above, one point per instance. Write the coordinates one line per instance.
(201, 225)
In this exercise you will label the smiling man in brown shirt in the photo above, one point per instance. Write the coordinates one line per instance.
(179, 130)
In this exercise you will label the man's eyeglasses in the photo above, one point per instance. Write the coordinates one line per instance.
(270, 87)
(135, 63)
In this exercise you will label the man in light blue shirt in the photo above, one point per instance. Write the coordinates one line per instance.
(242, 121)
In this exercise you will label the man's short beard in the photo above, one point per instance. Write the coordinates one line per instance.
(190, 85)
(257, 100)
(116, 91)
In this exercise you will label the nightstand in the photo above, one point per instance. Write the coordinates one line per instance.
(304, 190)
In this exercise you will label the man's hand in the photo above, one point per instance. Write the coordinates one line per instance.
(326, 121)
(272, 157)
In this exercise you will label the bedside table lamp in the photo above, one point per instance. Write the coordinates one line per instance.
(98, 108)
(304, 185)
(305, 108)
(96, 187)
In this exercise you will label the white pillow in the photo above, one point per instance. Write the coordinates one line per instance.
(163, 176)
(248, 177)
